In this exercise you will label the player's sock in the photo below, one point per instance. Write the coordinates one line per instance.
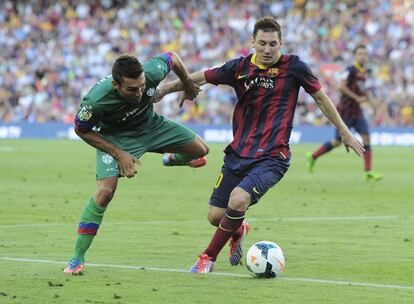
(90, 220)
(238, 233)
(326, 147)
(176, 159)
(367, 158)
(230, 223)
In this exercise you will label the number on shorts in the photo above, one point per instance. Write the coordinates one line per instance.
(218, 182)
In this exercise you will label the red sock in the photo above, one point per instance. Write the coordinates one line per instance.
(238, 233)
(367, 157)
(229, 224)
(326, 147)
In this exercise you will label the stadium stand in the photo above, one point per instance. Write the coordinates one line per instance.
(52, 52)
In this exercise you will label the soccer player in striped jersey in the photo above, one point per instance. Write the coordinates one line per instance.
(267, 84)
(117, 118)
(354, 93)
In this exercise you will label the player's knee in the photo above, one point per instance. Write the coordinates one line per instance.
(104, 195)
(239, 200)
(213, 219)
(336, 142)
(365, 140)
(202, 147)
(215, 214)
(205, 150)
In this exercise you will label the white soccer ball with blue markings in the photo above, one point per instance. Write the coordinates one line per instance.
(265, 259)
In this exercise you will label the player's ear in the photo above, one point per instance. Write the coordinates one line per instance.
(252, 42)
(115, 84)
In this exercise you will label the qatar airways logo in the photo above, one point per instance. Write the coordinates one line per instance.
(259, 82)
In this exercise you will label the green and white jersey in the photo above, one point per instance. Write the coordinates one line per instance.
(103, 109)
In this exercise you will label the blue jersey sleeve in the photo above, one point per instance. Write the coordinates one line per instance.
(224, 74)
(167, 57)
(305, 77)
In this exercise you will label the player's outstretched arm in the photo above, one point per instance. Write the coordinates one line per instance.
(178, 86)
(328, 108)
(190, 88)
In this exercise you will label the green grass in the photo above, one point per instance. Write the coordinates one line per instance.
(328, 223)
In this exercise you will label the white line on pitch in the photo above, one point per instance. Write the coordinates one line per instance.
(131, 267)
(330, 218)
(251, 219)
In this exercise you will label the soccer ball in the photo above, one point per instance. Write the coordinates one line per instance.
(265, 259)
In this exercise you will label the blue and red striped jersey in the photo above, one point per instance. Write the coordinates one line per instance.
(355, 80)
(262, 118)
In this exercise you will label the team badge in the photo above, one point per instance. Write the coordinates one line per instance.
(272, 72)
(151, 92)
(85, 113)
(107, 159)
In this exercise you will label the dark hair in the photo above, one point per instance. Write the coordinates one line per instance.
(126, 66)
(267, 24)
(359, 46)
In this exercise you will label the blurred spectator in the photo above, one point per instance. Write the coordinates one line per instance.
(52, 52)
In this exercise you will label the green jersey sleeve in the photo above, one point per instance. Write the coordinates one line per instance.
(90, 110)
(158, 67)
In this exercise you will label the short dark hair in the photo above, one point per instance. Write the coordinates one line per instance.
(267, 24)
(126, 66)
(359, 46)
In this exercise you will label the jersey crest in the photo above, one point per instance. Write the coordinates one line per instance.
(151, 92)
(272, 72)
(107, 159)
(85, 113)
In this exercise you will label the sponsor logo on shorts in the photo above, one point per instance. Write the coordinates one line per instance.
(107, 159)
(255, 190)
(111, 170)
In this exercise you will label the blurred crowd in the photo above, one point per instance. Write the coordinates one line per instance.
(52, 52)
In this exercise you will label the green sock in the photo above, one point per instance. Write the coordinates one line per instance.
(90, 220)
(181, 159)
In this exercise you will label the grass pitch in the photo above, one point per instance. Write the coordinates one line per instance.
(345, 240)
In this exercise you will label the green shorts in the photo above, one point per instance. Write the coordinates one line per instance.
(159, 134)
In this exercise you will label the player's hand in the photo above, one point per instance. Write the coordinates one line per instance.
(183, 98)
(126, 164)
(191, 90)
(350, 141)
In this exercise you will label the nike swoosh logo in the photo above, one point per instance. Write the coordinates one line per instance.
(242, 76)
(255, 190)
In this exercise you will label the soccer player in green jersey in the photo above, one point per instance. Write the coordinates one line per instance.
(117, 118)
